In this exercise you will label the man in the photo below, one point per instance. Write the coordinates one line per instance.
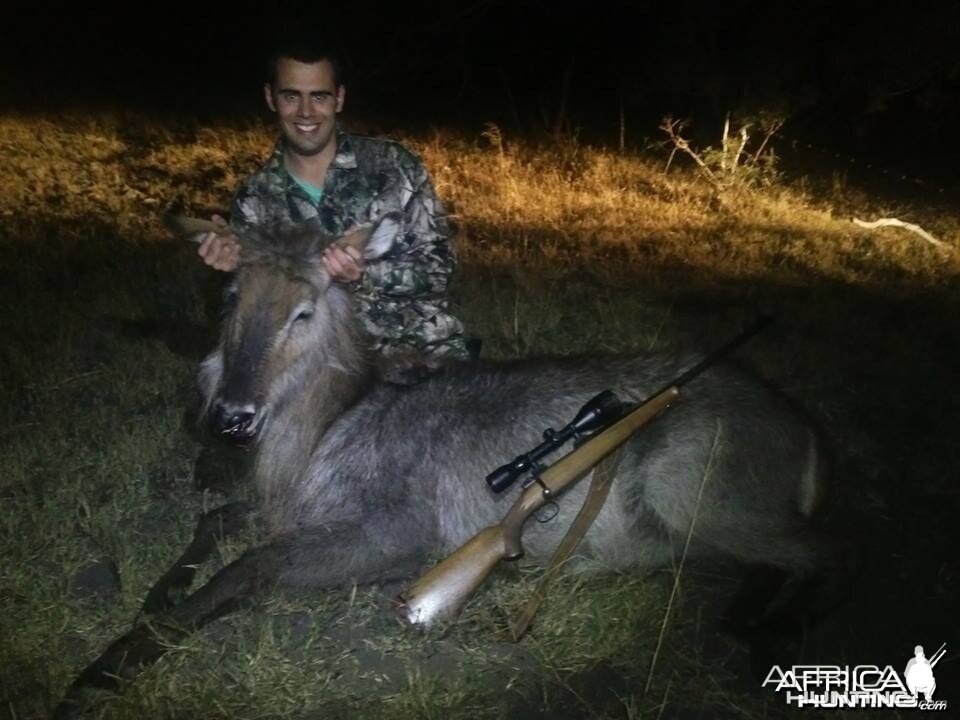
(319, 173)
(919, 674)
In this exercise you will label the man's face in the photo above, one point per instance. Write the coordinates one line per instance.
(306, 101)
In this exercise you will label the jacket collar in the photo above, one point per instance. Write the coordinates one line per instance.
(345, 159)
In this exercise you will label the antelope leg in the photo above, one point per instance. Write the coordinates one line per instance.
(221, 523)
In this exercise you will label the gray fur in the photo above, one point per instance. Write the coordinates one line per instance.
(359, 479)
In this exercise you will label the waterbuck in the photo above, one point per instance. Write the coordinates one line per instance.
(361, 480)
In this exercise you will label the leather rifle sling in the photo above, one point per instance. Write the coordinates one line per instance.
(603, 474)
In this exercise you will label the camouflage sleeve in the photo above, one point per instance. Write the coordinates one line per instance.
(245, 212)
(420, 265)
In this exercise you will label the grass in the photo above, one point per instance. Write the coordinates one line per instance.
(563, 249)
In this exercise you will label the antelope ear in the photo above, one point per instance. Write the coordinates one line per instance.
(374, 241)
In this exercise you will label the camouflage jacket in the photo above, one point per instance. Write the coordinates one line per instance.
(402, 296)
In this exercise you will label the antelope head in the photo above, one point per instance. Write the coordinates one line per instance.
(287, 327)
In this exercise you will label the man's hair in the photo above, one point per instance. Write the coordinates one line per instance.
(302, 44)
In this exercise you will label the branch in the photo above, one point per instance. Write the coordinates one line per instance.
(894, 222)
(743, 144)
(666, 169)
(707, 471)
(671, 128)
(724, 143)
(771, 130)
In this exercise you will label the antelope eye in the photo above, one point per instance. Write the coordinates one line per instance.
(302, 311)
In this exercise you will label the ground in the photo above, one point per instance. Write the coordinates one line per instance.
(562, 250)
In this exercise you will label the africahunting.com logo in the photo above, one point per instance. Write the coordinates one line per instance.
(861, 686)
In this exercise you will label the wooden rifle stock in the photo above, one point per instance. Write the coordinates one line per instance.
(441, 592)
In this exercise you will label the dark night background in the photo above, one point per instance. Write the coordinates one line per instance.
(876, 82)
(869, 91)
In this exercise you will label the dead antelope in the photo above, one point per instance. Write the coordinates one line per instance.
(363, 481)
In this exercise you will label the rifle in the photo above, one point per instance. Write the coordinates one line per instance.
(441, 593)
(935, 658)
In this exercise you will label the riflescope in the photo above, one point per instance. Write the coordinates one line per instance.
(599, 412)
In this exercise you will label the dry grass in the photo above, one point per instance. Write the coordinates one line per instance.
(513, 202)
(563, 249)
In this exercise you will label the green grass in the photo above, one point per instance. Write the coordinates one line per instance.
(563, 250)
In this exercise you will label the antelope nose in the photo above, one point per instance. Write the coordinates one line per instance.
(233, 418)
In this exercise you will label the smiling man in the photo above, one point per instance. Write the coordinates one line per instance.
(319, 173)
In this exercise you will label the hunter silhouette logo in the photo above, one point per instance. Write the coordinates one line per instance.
(861, 686)
(919, 672)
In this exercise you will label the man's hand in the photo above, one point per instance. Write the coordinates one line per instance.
(345, 264)
(221, 252)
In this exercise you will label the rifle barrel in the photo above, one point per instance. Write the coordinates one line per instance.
(935, 658)
(724, 349)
